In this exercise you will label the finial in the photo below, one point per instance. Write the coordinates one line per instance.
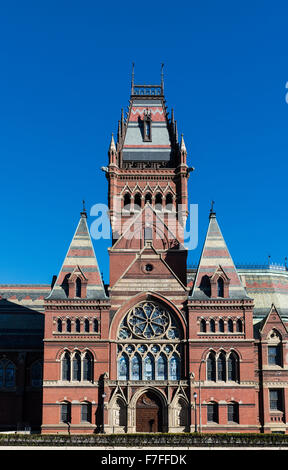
(132, 82)
(112, 144)
(212, 212)
(182, 145)
(162, 78)
(83, 213)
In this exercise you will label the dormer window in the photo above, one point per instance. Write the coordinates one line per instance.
(147, 121)
(220, 287)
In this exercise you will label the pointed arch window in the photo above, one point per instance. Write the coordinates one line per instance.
(66, 367)
(76, 367)
(239, 326)
(211, 367)
(158, 202)
(148, 198)
(86, 325)
(174, 368)
(95, 325)
(68, 325)
(78, 287)
(127, 201)
(149, 368)
(212, 325)
(123, 368)
(7, 374)
(88, 367)
(137, 202)
(221, 325)
(59, 325)
(233, 367)
(230, 325)
(136, 372)
(77, 325)
(220, 287)
(162, 368)
(221, 367)
(203, 326)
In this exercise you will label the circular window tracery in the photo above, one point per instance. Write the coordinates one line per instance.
(148, 320)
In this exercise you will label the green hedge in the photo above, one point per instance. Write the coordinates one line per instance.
(142, 440)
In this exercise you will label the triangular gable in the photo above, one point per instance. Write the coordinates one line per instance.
(161, 271)
(215, 255)
(150, 215)
(271, 321)
(80, 256)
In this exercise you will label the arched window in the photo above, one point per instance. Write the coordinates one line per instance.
(230, 325)
(127, 201)
(65, 415)
(137, 202)
(88, 367)
(158, 202)
(149, 368)
(59, 325)
(7, 374)
(78, 287)
(221, 367)
(233, 413)
(169, 202)
(174, 368)
(86, 325)
(211, 367)
(203, 325)
(212, 326)
(36, 374)
(212, 413)
(221, 325)
(68, 325)
(86, 412)
(233, 367)
(95, 325)
(76, 367)
(148, 198)
(220, 287)
(123, 367)
(77, 325)
(162, 367)
(136, 372)
(66, 367)
(239, 326)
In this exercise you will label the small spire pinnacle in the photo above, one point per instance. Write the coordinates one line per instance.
(182, 145)
(83, 213)
(112, 144)
(162, 78)
(212, 212)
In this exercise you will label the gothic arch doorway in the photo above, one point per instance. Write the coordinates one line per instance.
(149, 413)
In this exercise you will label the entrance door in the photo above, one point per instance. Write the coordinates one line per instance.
(148, 413)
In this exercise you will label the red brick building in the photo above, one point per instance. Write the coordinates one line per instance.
(163, 348)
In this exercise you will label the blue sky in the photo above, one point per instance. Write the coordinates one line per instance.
(65, 75)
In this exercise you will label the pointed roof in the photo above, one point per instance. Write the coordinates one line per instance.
(147, 104)
(215, 256)
(80, 259)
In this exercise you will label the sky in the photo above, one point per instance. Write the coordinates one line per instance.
(66, 74)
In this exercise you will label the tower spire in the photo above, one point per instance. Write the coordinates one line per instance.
(212, 212)
(83, 213)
